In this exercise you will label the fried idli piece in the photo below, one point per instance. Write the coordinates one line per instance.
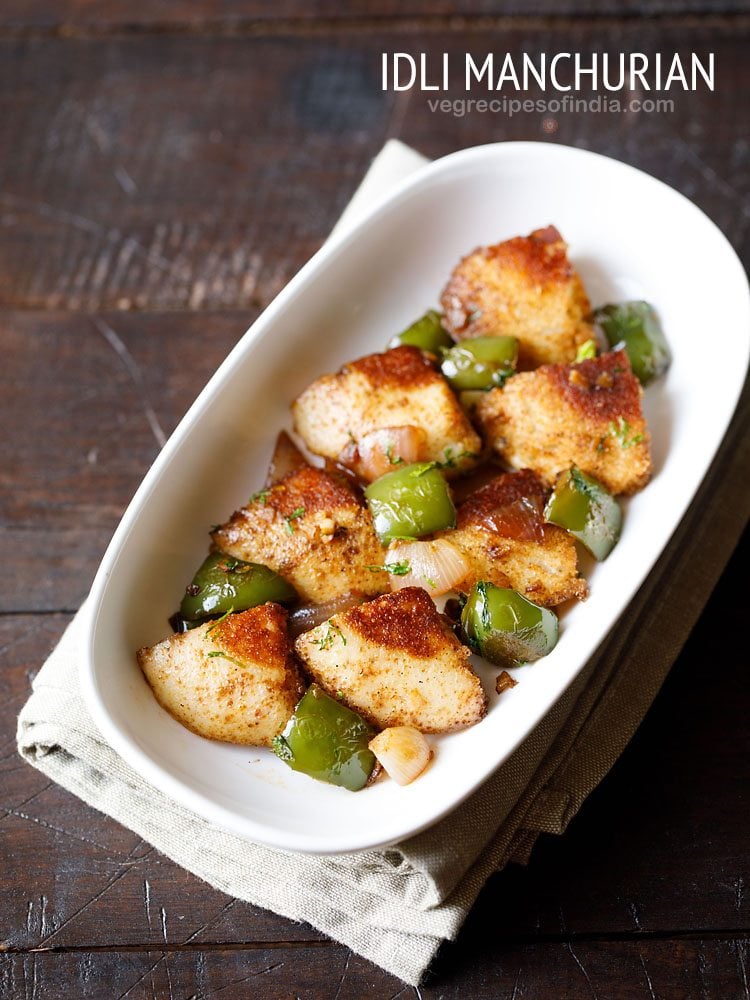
(343, 416)
(396, 661)
(313, 530)
(234, 680)
(524, 287)
(587, 414)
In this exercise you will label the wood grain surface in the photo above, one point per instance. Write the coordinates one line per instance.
(166, 169)
(626, 969)
(653, 870)
(75, 17)
(215, 167)
(88, 401)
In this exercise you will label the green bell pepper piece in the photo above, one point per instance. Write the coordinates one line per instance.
(411, 502)
(223, 584)
(506, 628)
(328, 741)
(480, 362)
(427, 333)
(583, 507)
(636, 327)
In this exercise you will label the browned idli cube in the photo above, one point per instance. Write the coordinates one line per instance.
(586, 414)
(234, 680)
(525, 287)
(396, 661)
(395, 389)
(313, 530)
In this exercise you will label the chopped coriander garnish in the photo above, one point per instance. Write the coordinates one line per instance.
(219, 621)
(430, 582)
(326, 641)
(450, 461)
(586, 350)
(621, 429)
(297, 513)
(393, 459)
(260, 497)
(229, 565)
(395, 568)
(398, 568)
(226, 656)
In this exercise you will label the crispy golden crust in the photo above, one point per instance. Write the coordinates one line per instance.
(258, 635)
(399, 388)
(313, 530)
(502, 533)
(312, 489)
(586, 414)
(524, 287)
(402, 367)
(406, 621)
(602, 388)
(235, 681)
(397, 662)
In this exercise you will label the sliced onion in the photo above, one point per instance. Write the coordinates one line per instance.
(383, 450)
(436, 566)
(286, 458)
(311, 615)
(478, 477)
(522, 519)
(404, 753)
(342, 474)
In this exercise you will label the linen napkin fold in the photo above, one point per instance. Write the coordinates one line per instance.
(397, 905)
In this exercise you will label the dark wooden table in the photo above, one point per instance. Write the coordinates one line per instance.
(165, 169)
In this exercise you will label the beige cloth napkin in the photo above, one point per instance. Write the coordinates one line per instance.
(397, 906)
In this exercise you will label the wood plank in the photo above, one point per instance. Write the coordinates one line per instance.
(69, 873)
(72, 16)
(669, 969)
(660, 846)
(663, 841)
(95, 201)
(85, 404)
(171, 172)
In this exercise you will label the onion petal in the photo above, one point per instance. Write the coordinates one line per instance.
(309, 616)
(437, 566)
(286, 458)
(383, 450)
(404, 753)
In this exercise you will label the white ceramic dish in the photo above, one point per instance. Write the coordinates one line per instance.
(630, 236)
